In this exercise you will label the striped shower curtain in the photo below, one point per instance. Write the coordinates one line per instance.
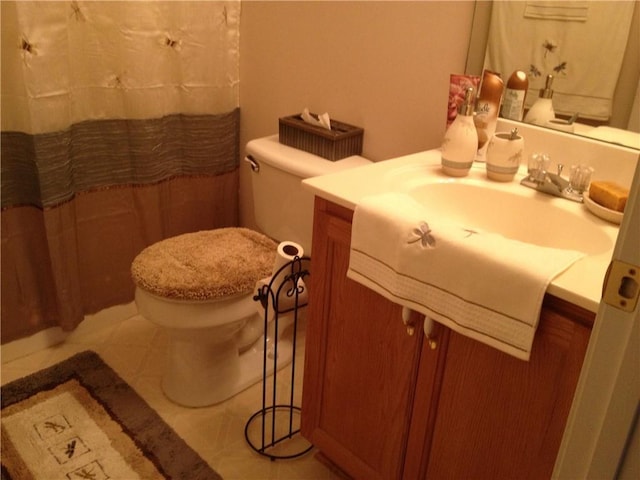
(120, 127)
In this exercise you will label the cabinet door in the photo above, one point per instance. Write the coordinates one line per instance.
(360, 363)
(502, 418)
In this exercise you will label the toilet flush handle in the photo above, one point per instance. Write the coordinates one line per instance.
(255, 166)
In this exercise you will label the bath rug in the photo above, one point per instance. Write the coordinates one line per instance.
(79, 420)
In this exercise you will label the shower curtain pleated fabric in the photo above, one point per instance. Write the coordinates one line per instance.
(581, 43)
(120, 127)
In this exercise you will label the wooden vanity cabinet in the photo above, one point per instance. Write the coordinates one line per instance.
(360, 364)
(382, 404)
(497, 417)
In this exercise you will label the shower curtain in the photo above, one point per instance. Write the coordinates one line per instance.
(581, 43)
(120, 127)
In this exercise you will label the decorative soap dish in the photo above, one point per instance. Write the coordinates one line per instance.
(604, 213)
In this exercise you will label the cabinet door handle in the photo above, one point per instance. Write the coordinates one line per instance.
(408, 321)
(429, 327)
(429, 332)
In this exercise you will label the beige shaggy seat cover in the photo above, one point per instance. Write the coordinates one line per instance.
(205, 265)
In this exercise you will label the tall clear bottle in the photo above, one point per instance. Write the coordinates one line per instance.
(460, 142)
(514, 96)
(487, 109)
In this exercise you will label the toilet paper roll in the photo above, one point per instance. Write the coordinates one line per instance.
(280, 285)
(286, 252)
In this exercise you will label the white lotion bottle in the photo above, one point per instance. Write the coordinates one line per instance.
(460, 142)
(542, 110)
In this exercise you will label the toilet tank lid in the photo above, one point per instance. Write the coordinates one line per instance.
(298, 162)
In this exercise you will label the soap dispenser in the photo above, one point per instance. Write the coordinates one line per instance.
(460, 142)
(542, 110)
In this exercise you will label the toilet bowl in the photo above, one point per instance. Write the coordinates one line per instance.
(199, 287)
(209, 360)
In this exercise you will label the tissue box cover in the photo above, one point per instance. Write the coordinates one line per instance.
(343, 140)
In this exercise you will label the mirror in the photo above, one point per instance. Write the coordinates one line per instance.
(624, 121)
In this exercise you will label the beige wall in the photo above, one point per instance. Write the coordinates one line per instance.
(381, 65)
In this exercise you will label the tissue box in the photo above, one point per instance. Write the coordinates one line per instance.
(343, 140)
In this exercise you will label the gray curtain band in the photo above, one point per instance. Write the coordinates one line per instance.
(48, 169)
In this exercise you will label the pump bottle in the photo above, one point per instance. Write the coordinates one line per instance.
(542, 110)
(460, 142)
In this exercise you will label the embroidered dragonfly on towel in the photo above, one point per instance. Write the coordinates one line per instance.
(423, 233)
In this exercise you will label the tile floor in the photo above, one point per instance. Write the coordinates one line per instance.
(135, 349)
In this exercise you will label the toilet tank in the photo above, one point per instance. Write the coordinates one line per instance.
(283, 209)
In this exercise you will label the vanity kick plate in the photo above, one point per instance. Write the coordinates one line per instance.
(622, 286)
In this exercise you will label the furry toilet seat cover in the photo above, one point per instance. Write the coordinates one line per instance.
(205, 265)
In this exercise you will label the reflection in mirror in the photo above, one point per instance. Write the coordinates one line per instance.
(591, 48)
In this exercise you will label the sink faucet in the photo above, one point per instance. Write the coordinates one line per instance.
(553, 183)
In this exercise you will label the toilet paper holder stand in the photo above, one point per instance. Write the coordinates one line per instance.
(273, 431)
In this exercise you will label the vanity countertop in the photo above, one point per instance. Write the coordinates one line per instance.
(581, 284)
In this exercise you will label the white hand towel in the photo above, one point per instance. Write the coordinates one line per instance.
(479, 284)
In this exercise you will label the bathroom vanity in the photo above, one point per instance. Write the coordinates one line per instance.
(383, 404)
(383, 401)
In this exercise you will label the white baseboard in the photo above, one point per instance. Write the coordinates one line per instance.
(53, 336)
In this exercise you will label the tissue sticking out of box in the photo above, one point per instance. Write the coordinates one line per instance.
(322, 121)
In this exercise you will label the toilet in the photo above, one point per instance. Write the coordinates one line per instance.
(199, 286)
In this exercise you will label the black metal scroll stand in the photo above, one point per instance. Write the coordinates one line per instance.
(277, 434)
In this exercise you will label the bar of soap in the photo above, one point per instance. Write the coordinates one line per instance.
(609, 195)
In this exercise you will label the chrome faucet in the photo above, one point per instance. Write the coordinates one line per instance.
(553, 183)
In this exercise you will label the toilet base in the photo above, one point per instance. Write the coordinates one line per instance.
(201, 373)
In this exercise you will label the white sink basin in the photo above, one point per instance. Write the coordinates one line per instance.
(539, 220)
(509, 209)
